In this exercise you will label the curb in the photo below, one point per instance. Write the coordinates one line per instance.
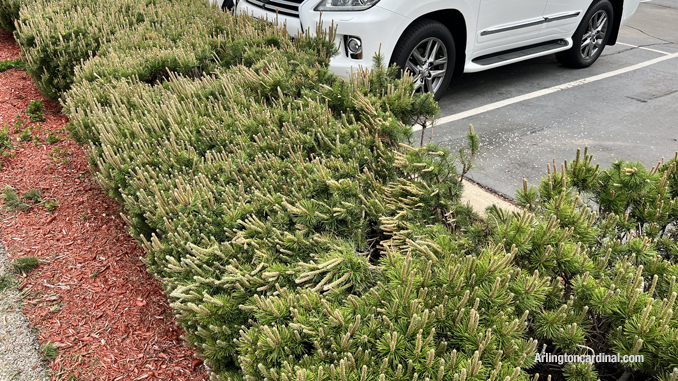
(480, 197)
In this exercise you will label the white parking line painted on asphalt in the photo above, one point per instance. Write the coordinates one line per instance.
(644, 48)
(550, 90)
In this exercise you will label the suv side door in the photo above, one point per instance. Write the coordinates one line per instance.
(563, 17)
(508, 23)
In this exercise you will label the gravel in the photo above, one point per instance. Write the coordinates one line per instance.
(19, 349)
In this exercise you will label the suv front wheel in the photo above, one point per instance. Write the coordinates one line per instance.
(426, 50)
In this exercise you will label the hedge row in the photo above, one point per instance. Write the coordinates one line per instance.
(56, 36)
(203, 41)
(134, 38)
(240, 43)
(258, 192)
(299, 238)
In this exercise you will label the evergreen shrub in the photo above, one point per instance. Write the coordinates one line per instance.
(188, 38)
(186, 49)
(610, 237)
(9, 13)
(55, 36)
(66, 41)
(264, 179)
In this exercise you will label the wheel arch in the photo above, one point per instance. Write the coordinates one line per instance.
(454, 21)
(618, 9)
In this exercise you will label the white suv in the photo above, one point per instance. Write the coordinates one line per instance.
(438, 39)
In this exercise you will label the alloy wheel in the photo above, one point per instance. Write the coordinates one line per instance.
(593, 38)
(427, 63)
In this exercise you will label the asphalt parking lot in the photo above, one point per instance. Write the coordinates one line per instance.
(527, 114)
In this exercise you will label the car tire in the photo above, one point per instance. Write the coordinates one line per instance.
(591, 36)
(426, 49)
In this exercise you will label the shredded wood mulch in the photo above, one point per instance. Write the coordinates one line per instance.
(8, 49)
(91, 295)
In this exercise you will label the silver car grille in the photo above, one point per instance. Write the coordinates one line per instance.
(283, 7)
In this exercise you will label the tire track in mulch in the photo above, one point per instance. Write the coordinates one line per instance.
(91, 295)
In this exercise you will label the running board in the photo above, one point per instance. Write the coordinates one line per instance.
(525, 51)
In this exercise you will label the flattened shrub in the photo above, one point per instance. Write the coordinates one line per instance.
(174, 37)
(67, 41)
(58, 35)
(154, 51)
(286, 190)
(185, 38)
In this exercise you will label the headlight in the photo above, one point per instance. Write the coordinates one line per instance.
(345, 5)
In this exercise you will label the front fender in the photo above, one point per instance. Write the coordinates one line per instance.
(413, 10)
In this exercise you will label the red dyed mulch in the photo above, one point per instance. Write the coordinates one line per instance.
(91, 295)
(8, 49)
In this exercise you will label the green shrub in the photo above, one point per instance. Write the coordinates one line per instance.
(168, 45)
(151, 41)
(174, 37)
(284, 168)
(188, 38)
(9, 13)
(618, 266)
(58, 35)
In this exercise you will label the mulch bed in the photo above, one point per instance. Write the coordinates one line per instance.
(8, 49)
(92, 295)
